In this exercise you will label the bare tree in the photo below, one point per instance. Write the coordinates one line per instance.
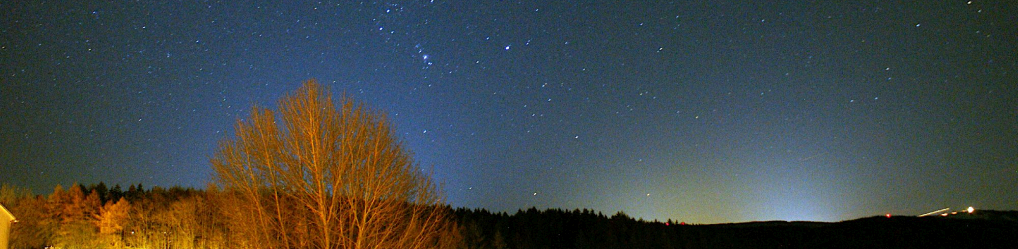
(326, 176)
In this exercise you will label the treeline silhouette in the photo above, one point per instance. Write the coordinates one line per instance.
(97, 216)
(555, 228)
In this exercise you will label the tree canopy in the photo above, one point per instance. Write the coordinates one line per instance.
(321, 173)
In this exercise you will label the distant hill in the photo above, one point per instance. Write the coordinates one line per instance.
(986, 215)
(586, 229)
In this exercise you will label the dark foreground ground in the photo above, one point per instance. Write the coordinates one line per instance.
(584, 229)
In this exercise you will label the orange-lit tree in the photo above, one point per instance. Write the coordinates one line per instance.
(327, 174)
(74, 212)
(111, 220)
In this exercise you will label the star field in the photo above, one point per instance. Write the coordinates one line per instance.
(695, 111)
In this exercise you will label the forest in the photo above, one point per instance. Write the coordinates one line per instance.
(97, 216)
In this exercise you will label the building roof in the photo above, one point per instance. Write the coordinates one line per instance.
(6, 215)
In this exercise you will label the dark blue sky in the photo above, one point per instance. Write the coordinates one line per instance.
(698, 111)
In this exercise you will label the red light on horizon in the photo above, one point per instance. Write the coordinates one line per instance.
(888, 215)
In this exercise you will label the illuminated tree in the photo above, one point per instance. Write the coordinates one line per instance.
(74, 212)
(9, 194)
(327, 176)
(111, 220)
(36, 223)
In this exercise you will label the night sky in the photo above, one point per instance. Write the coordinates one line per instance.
(700, 111)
